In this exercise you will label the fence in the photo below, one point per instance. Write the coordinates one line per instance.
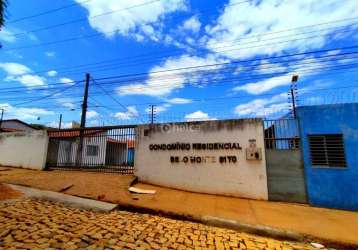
(282, 134)
(107, 149)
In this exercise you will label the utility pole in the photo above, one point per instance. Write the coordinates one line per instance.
(293, 94)
(59, 124)
(83, 122)
(84, 103)
(2, 115)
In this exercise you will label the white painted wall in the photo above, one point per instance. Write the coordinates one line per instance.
(246, 178)
(24, 149)
(67, 152)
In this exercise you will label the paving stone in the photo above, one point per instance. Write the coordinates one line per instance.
(33, 224)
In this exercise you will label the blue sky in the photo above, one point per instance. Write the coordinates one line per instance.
(254, 48)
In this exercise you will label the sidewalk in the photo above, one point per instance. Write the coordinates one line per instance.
(326, 224)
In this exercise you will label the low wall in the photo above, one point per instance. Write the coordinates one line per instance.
(24, 149)
(215, 157)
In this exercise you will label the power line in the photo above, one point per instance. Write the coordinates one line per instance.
(45, 12)
(305, 61)
(223, 98)
(44, 97)
(115, 100)
(205, 65)
(228, 63)
(143, 62)
(85, 19)
(114, 31)
(267, 76)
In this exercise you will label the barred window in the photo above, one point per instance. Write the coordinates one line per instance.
(327, 150)
(92, 150)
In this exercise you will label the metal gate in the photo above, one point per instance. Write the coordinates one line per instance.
(106, 149)
(285, 171)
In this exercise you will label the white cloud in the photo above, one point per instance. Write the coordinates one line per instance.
(54, 124)
(164, 83)
(91, 114)
(130, 17)
(15, 68)
(28, 80)
(198, 116)
(304, 68)
(21, 73)
(66, 102)
(265, 85)
(50, 54)
(241, 23)
(12, 112)
(263, 107)
(7, 36)
(66, 80)
(131, 113)
(179, 101)
(193, 24)
(52, 73)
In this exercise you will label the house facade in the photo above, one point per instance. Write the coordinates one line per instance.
(329, 136)
(98, 149)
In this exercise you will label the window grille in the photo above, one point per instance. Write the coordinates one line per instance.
(327, 150)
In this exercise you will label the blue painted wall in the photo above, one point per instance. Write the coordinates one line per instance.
(331, 187)
(131, 156)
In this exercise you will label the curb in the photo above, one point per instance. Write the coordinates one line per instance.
(69, 200)
(253, 229)
(220, 222)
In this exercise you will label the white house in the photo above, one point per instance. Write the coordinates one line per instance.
(97, 148)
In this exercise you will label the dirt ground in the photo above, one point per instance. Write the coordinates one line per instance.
(7, 193)
(100, 186)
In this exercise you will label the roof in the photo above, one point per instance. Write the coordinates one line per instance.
(4, 130)
(130, 143)
(73, 133)
(19, 121)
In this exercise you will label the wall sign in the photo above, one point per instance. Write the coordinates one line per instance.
(217, 157)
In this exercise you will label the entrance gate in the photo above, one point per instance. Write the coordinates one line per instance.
(106, 149)
(285, 172)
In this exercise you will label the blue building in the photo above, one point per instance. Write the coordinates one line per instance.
(329, 137)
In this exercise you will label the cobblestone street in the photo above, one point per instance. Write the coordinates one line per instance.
(30, 224)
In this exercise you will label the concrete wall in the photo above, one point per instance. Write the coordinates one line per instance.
(24, 149)
(244, 178)
(285, 175)
(332, 187)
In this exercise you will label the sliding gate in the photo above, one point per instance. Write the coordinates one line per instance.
(107, 149)
(285, 172)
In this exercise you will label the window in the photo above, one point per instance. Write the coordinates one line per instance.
(327, 150)
(92, 150)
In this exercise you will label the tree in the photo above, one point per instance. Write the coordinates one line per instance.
(3, 4)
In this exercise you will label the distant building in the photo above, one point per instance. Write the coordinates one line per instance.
(14, 125)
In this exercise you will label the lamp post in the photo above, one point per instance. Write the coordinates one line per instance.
(293, 84)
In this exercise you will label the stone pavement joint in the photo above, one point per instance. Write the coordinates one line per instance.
(35, 224)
